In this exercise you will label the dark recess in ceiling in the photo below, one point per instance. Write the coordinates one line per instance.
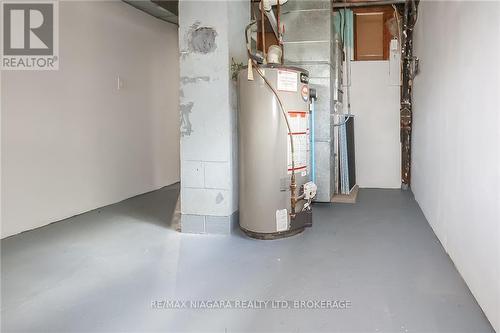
(166, 10)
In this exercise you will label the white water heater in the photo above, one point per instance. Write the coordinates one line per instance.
(275, 191)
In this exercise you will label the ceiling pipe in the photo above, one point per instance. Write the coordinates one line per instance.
(267, 5)
(273, 21)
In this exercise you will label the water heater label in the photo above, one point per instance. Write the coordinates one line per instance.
(281, 220)
(287, 81)
(299, 123)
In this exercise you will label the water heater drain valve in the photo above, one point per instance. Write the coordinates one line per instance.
(310, 190)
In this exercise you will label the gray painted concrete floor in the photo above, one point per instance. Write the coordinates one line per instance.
(100, 272)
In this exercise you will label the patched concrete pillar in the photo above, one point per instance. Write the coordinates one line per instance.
(211, 33)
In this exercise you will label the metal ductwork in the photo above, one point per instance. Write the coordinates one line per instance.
(365, 3)
(310, 43)
(166, 10)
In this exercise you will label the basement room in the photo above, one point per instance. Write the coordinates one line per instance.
(250, 166)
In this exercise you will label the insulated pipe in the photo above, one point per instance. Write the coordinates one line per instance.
(272, 20)
(267, 7)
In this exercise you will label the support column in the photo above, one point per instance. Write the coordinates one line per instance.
(211, 34)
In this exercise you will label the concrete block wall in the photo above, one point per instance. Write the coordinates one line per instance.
(211, 35)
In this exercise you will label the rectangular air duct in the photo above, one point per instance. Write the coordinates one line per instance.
(310, 43)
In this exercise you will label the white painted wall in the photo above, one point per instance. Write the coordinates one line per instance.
(375, 104)
(72, 142)
(456, 142)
